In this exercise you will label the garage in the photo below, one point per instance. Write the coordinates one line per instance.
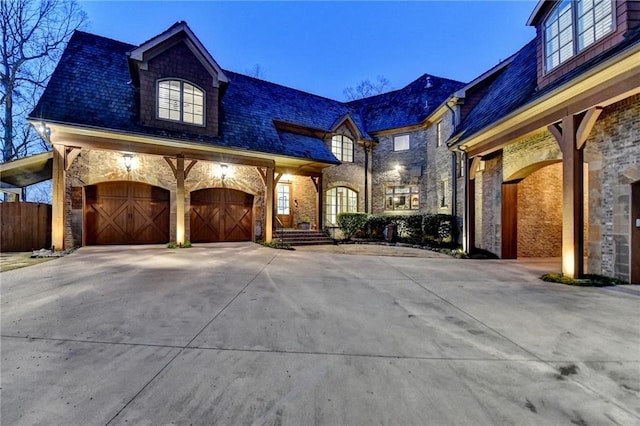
(220, 214)
(126, 213)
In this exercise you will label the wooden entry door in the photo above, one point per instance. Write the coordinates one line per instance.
(510, 220)
(635, 233)
(126, 213)
(220, 214)
(284, 207)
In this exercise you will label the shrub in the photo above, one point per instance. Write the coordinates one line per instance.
(351, 223)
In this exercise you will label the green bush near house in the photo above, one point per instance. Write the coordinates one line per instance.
(589, 280)
(351, 223)
(435, 230)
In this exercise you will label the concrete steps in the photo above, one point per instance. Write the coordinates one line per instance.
(296, 237)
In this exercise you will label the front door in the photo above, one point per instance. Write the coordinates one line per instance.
(284, 208)
(635, 233)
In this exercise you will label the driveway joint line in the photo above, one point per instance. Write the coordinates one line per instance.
(93, 342)
(190, 341)
(574, 380)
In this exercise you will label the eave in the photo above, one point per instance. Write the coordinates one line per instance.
(605, 84)
(107, 139)
(27, 171)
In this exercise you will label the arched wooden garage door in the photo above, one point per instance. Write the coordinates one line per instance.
(219, 214)
(126, 213)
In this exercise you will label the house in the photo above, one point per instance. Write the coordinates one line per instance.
(554, 143)
(156, 143)
(537, 157)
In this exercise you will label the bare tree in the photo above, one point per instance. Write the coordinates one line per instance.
(34, 34)
(367, 88)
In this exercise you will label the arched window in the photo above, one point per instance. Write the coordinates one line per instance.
(181, 101)
(339, 200)
(342, 148)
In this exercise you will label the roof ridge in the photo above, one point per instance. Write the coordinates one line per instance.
(113, 40)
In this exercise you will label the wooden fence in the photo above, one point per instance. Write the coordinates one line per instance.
(25, 226)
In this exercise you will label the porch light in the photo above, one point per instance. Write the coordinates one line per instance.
(285, 178)
(397, 167)
(44, 130)
(224, 169)
(128, 161)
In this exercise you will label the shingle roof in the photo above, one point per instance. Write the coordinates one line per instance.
(509, 91)
(517, 86)
(407, 106)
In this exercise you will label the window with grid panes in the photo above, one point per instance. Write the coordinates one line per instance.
(573, 26)
(342, 148)
(402, 198)
(340, 200)
(180, 101)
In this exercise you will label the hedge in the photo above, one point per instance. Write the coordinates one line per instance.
(432, 229)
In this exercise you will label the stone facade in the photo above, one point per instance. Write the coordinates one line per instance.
(488, 203)
(613, 154)
(96, 166)
(304, 199)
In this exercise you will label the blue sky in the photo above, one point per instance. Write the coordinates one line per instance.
(323, 47)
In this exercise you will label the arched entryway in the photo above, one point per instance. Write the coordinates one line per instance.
(221, 214)
(532, 212)
(126, 213)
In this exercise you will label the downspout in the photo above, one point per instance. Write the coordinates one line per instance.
(366, 176)
(454, 175)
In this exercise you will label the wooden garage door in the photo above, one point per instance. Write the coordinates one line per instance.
(220, 215)
(126, 213)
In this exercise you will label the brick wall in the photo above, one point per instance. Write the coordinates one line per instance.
(488, 202)
(180, 63)
(304, 195)
(540, 213)
(613, 154)
(95, 166)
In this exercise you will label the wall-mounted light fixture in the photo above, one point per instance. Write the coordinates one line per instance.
(128, 161)
(224, 170)
(397, 168)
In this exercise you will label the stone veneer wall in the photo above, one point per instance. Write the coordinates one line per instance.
(613, 154)
(438, 169)
(488, 202)
(304, 195)
(95, 166)
(347, 174)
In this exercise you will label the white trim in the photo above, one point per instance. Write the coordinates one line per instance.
(193, 43)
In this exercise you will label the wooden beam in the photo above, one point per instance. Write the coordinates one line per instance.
(556, 131)
(71, 156)
(180, 200)
(315, 179)
(189, 167)
(58, 197)
(277, 178)
(173, 166)
(572, 200)
(263, 175)
(586, 125)
(269, 205)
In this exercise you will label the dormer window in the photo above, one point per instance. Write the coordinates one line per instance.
(573, 26)
(180, 101)
(342, 148)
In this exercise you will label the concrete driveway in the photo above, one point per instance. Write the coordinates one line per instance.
(242, 334)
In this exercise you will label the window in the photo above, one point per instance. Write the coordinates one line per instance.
(573, 26)
(402, 198)
(401, 143)
(180, 101)
(283, 204)
(439, 133)
(340, 200)
(342, 148)
(443, 193)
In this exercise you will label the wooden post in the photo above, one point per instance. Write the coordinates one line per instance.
(180, 200)
(58, 197)
(572, 200)
(268, 205)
